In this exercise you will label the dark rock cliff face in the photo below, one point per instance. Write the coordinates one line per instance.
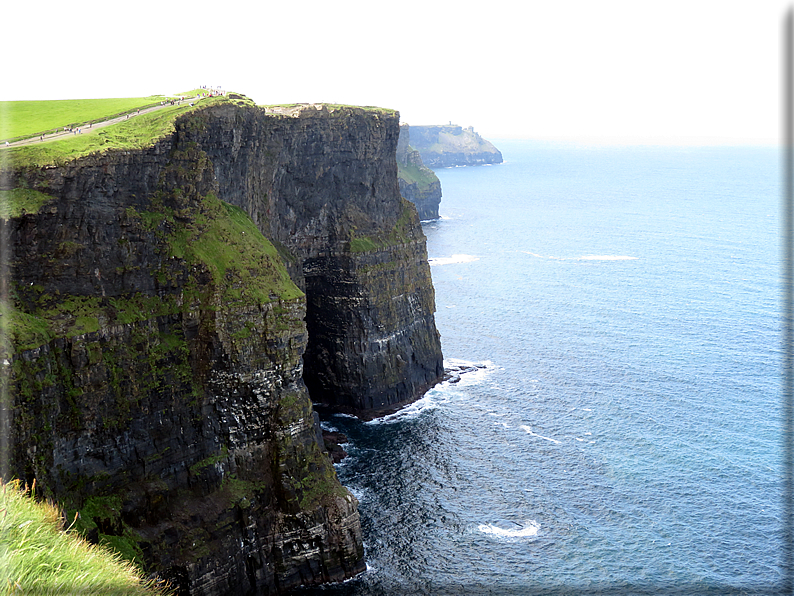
(445, 146)
(418, 183)
(160, 347)
(321, 184)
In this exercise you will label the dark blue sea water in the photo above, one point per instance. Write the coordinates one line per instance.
(623, 432)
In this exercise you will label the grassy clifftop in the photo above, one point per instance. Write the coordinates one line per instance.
(24, 119)
(136, 133)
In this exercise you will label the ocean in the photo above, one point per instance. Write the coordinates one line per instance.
(614, 424)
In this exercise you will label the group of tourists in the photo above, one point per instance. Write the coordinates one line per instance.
(212, 91)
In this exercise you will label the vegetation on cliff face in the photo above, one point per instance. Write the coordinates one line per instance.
(414, 175)
(224, 241)
(38, 557)
(212, 239)
(19, 201)
(399, 234)
(418, 183)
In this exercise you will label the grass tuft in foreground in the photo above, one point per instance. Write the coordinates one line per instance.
(37, 557)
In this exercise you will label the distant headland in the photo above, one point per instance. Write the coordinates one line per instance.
(422, 147)
(443, 146)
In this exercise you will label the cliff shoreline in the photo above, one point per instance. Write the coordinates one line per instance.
(174, 309)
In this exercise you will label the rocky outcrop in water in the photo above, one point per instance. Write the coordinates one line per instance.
(172, 306)
(418, 183)
(451, 145)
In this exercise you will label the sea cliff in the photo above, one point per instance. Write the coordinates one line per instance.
(452, 145)
(418, 183)
(173, 312)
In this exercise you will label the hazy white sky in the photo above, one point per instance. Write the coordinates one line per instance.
(674, 71)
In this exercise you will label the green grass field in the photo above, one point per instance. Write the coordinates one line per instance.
(135, 133)
(38, 557)
(20, 119)
(24, 119)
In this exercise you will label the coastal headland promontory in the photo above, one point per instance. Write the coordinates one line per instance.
(443, 146)
(183, 286)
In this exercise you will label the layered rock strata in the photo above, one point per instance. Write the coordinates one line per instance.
(418, 183)
(160, 347)
(320, 182)
(451, 145)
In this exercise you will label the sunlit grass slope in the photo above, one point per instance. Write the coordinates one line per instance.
(37, 557)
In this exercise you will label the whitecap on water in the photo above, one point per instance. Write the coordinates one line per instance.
(343, 415)
(527, 529)
(454, 259)
(528, 430)
(583, 257)
(607, 258)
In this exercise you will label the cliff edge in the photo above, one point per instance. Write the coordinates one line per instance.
(452, 145)
(418, 183)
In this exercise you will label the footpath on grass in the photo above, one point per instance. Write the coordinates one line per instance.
(66, 132)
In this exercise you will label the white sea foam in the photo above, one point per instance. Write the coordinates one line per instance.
(528, 430)
(343, 415)
(430, 401)
(464, 373)
(583, 257)
(526, 529)
(607, 258)
(454, 259)
(359, 493)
